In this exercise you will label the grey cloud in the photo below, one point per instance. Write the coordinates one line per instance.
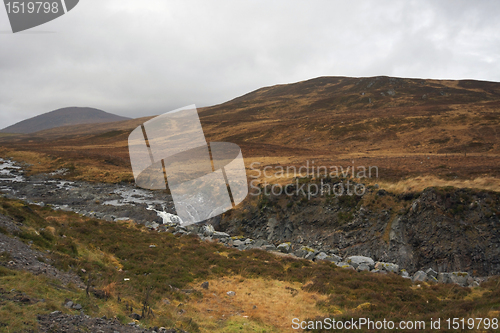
(143, 58)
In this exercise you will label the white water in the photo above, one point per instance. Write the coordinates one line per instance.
(169, 219)
(6, 169)
(10, 172)
(132, 196)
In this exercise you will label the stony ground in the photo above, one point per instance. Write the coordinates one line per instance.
(64, 323)
(22, 257)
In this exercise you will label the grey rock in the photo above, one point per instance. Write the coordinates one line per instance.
(238, 242)
(311, 255)
(431, 273)
(378, 271)
(77, 306)
(271, 225)
(260, 243)
(432, 279)
(363, 267)
(321, 256)
(135, 316)
(344, 265)
(231, 293)
(68, 304)
(419, 276)
(304, 251)
(389, 267)
(269, 247)
(443, 278)
(404, 274)
(459, 278)
(220, 234)
(301, 253)
(152, 225)
(334, 258)
(355, 261)
(395, 234)
(285, 247)
(207, 230)
(205, 285)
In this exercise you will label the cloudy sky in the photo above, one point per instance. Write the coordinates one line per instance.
(138, 58)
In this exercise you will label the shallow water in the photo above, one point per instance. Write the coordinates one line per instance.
(109, 201)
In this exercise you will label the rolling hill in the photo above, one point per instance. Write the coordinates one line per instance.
(409, 128)
(62, 117)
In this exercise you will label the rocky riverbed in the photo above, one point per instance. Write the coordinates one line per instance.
(351, 246)
(104, 201)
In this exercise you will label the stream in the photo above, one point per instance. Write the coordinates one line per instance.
(111, 202)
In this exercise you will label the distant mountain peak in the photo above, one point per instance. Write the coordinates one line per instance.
(62, 117)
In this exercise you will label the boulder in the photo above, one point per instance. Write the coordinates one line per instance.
(355, 261)
(321, 256)
(238, 242)
(378, 271)
(151, 225)
(342, 264)
(334, 258)
(431, 273)
(260, 243)
(363, 267)
(220, 235)
(432, 279)
(285, 247)
(459, 278)
(443, 278)
(419, 276)
(269, 247)
(311, 255)
(389, 267)
(207, 230)
(306, 252)
(135, 316)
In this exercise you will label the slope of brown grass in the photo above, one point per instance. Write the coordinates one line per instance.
(411, 129)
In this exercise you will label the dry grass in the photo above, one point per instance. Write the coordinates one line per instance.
(79, 167)
(418, 184)
(324, 119)
(276, 303)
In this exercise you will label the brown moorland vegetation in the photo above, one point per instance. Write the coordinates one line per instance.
(417, 132)
(270, 290)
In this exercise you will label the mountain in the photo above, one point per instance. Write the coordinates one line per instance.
(407, 127)
(362, 115)
(62, 117)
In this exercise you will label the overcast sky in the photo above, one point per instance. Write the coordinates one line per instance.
(138, 58)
